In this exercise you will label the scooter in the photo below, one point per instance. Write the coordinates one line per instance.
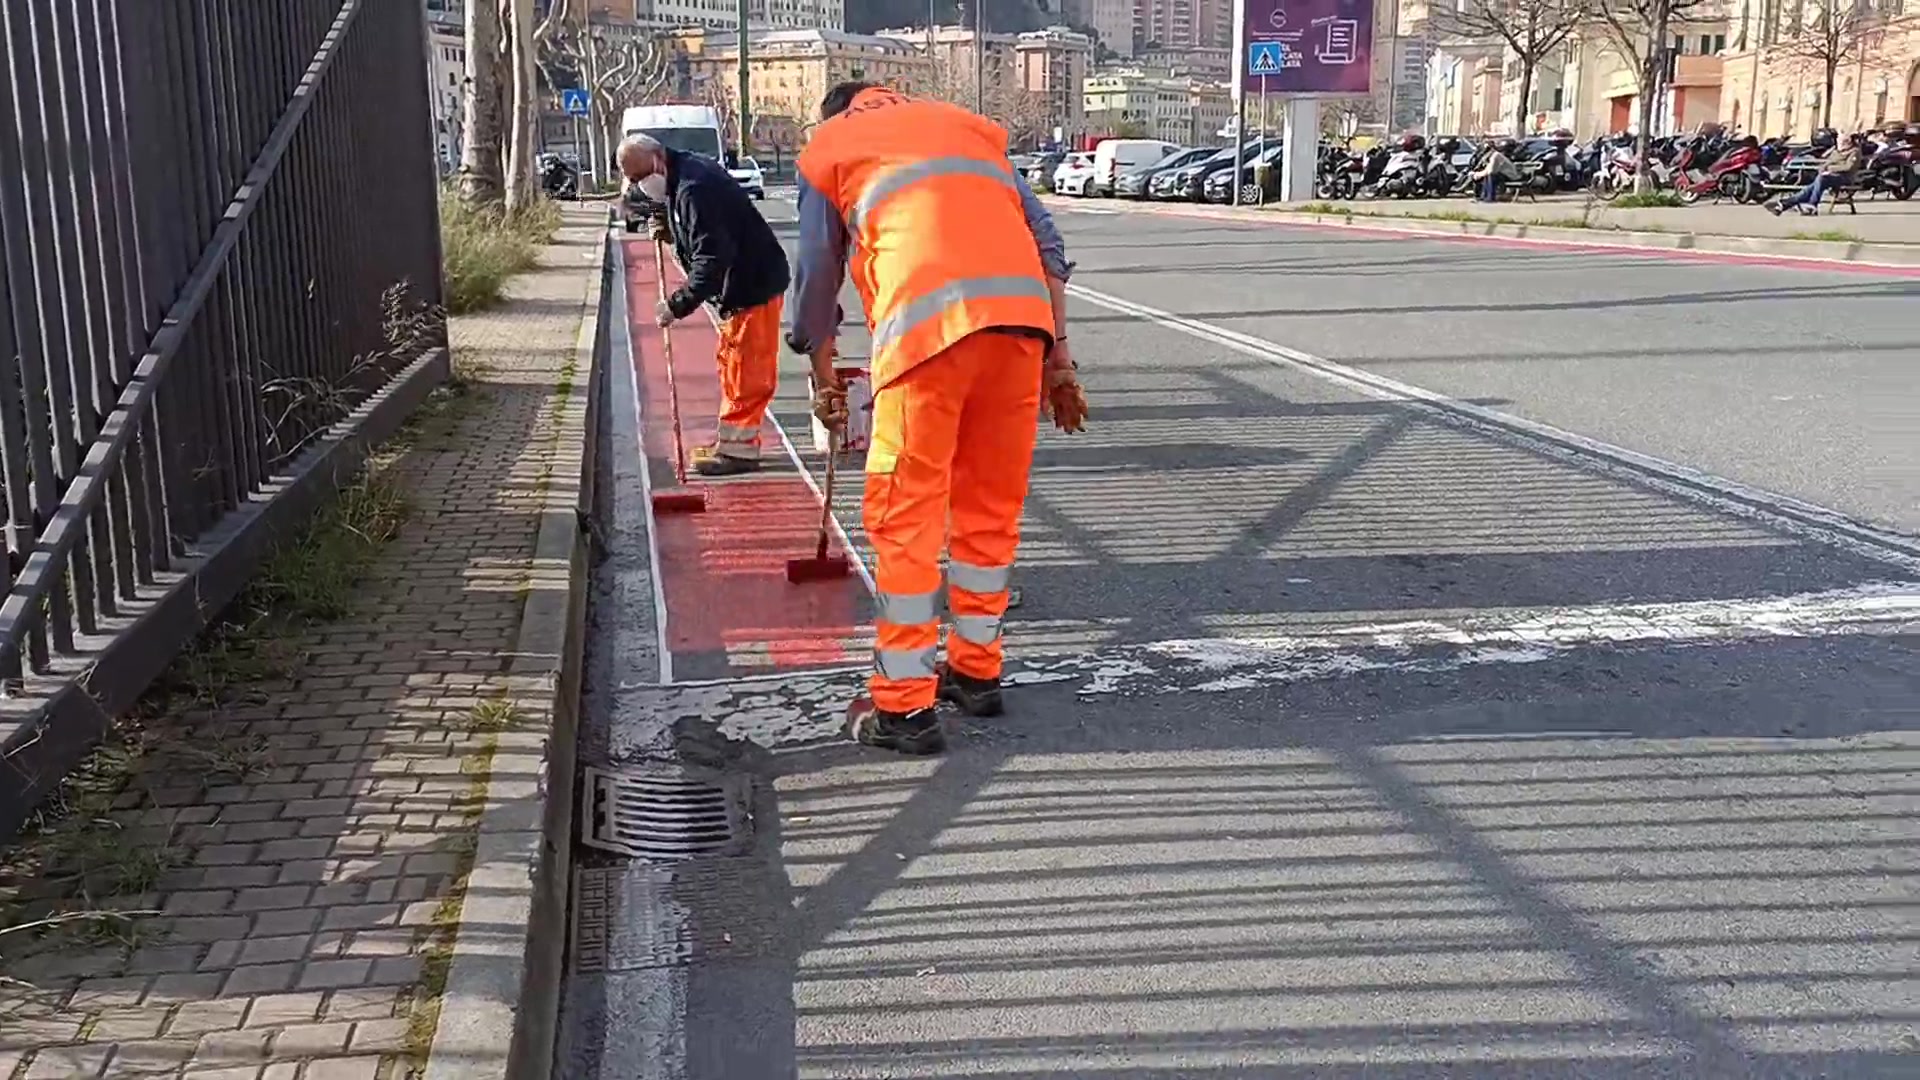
(1891, 169)
(1404, 175)
(557, 178)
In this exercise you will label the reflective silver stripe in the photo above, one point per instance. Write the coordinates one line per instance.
(978, 579)
(921, 308)
(892, 182)
(909, 609)
(906, 663)
(978, 629)
(738, 433)
(743, 450)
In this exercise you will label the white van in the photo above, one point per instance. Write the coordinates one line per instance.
(1115, 156)
(694, 128)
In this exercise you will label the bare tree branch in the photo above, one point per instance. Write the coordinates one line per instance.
(1833, 33)
(1531, 30)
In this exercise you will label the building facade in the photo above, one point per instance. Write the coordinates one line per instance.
(1053, 63)
(1138, 104)
(1585, 86)
(446, 78)
(1775, 73)
(1182, 24)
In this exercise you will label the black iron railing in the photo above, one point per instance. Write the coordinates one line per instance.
(211, 212)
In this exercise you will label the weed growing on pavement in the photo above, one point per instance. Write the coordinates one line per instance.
(1641, 200)
(493, 714)
(99, 841)
(1832, 236)
(481, 248)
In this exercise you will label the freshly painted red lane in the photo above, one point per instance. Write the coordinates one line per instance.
(1735, 258)
(730, 609)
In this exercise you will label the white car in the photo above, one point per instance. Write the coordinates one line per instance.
(1073, 175)
(747, 171)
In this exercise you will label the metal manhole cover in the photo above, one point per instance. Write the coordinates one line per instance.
(663, 815)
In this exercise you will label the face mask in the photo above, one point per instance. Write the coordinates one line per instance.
(654, 187)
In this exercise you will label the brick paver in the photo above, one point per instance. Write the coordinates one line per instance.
(306, 914)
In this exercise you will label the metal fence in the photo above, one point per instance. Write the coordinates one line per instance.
(211, 210)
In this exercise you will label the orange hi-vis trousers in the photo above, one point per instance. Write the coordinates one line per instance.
(749, 362)
(952, 447)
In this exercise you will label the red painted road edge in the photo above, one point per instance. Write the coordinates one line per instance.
(730, 610)
(1789, 262)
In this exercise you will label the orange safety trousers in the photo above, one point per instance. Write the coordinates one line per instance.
(749, 362)
(947, 467)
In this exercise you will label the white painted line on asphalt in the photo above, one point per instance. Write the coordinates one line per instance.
(1782, 512)
(1522, 636)
(804, 707)
(624, 367)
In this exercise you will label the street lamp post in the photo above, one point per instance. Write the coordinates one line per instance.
(979, 57)
(745, 110)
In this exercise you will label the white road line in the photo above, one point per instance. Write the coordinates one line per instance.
(804, 707)
(1782, 512)
(624, 367)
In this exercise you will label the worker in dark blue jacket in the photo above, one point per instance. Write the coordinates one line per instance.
(734, 262)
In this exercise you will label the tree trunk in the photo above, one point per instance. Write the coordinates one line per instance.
(521, 190)
(1526, 92)
(1651, 72)
(481, 180)
(1826, 95)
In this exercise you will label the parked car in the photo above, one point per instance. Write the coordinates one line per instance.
(1188, 182)
(747, 171)
(1074, 176)
(1040, 169)
(1133, 183)
(1114, 156)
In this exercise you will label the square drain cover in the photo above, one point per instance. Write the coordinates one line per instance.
(664, 814)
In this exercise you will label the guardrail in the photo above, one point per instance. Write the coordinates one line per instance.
(212, 212)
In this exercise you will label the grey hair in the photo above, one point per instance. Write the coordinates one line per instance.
(645, 144)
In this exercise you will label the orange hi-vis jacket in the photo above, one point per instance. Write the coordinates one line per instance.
(941, 246)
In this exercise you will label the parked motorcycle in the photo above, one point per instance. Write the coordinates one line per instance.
(1404, 174)
(558, 179)
(1891, 169)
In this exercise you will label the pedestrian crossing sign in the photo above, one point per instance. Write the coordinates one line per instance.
(1265, 57)
(574, 102)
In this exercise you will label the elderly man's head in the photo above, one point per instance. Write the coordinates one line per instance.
(643, 161)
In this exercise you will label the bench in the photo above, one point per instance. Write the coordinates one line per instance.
(1840, 194)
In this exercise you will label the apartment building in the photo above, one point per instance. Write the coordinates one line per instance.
(1774, 74)
(1053, 63)
(1140, 104)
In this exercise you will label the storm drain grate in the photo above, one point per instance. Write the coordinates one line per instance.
(663, 815)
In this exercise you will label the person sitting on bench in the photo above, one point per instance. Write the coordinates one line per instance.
(1836, 171)
(1496, 171)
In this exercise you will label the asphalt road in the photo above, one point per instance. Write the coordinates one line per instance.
(1360, 728)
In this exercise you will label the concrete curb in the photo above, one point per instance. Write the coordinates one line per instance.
(499, 1013)
(1855, 253)
(1823, 250)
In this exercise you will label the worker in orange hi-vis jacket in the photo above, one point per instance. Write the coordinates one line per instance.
(963, 277)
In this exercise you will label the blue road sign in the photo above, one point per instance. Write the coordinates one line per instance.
(1265, 57)
(574, 101)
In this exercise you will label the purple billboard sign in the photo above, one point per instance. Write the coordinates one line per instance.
(1308, 47)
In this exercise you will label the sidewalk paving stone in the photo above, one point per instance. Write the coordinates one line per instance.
(300, 930)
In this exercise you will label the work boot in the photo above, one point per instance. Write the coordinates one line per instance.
(917, 732)
(708, 461)
(973, 696)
